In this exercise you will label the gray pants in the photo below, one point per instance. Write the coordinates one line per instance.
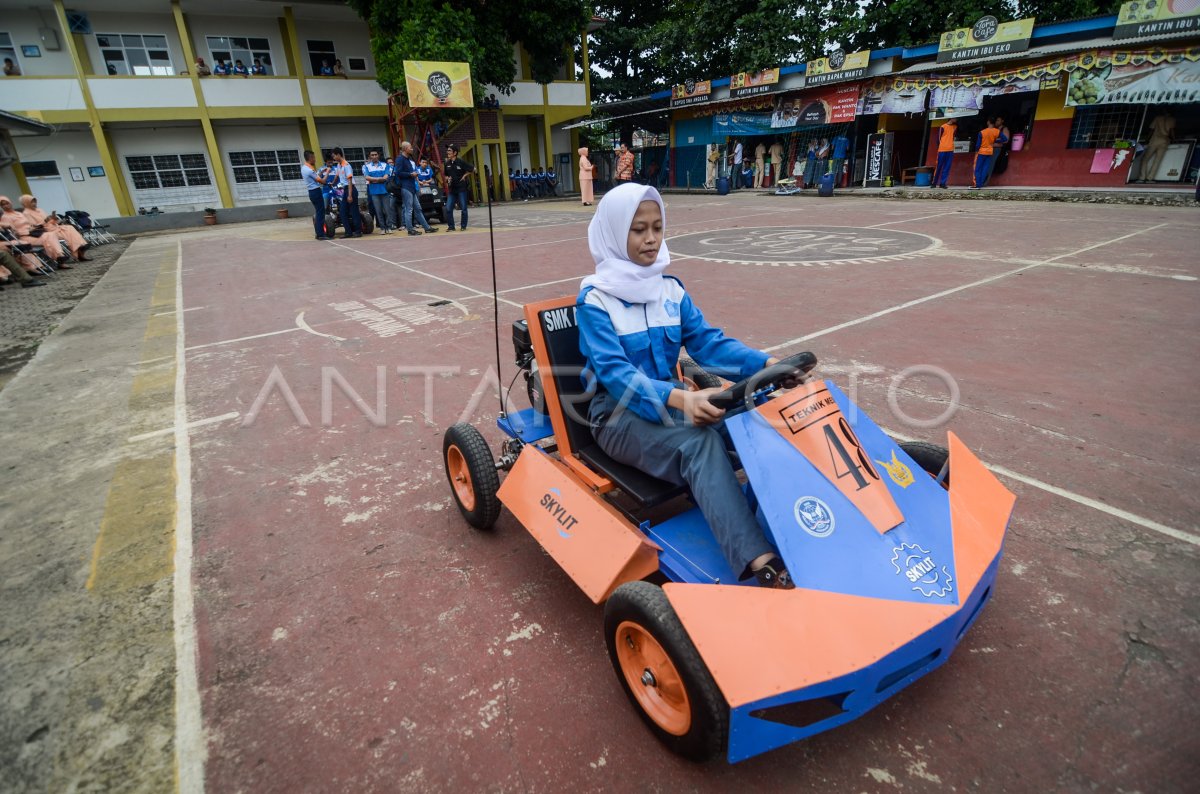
(684, 454)
(385, 210)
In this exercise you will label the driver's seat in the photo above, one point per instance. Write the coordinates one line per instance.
(554, 332)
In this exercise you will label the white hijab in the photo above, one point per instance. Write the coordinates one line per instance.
(608, 237)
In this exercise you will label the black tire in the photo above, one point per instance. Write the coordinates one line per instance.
(646, 605)
(533, 389)
(331, 224)
(930, 457)
(697, 374)
(368, 224)
(483, 483)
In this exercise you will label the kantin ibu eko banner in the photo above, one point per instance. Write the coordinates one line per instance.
(438, 84)
(985, 38)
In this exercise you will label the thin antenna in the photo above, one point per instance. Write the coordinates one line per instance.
(495, 291)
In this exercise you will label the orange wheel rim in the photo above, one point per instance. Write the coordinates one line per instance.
(653, 679)
(460, 477)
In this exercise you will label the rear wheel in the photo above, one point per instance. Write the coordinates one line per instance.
(697, 376)
(930, 457)
(368, 223)
(471, 471)
(533, 389)
(662, 672)
(331, 224)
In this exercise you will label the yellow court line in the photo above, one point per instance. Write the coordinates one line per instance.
(135, 540)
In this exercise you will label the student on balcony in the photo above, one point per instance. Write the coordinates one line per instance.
(326, 69)
(202, 69)
(258, 69)
(220, 69)
(240, 69)
(11, 69)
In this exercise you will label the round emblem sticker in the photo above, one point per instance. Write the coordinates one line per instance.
(985, 28)
(837, 59)
(814, 516)
(439, 85)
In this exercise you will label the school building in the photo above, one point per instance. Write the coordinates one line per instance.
(134, 126)
(1081, 99)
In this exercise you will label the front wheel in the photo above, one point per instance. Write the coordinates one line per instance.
(662, 672)
(696, 377)
(471, 471)
(932, 458)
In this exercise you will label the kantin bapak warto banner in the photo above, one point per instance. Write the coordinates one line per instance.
(438, 84)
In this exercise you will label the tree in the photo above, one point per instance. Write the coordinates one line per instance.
(622, 52)
(478, 32)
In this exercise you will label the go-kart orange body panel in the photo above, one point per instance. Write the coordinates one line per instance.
(760, 643)
(596, 546)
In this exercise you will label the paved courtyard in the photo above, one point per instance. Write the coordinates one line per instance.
(213, 554)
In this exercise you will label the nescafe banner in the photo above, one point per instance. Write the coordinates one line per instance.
(879, 159)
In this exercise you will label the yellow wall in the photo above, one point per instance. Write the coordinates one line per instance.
(1051, 104)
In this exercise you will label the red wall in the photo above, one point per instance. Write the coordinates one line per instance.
(1044, 162)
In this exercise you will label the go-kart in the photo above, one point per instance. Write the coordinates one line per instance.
(892, 559)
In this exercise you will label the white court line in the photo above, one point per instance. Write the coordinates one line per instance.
(303, 326)
(546, 242)
(190, 747)
(212, 420)
(906, 220)
(172, 311)
(1086, 501)
(951, 291)
(472, 290)
(244, 338)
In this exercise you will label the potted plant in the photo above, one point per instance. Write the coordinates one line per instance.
(210, 216)
(281, 212)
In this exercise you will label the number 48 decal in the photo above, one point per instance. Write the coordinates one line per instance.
(845, 462)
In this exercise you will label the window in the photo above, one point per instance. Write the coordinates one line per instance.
(40, 168)
(265, 165)
(170, 179)
(231, 49)
(134, 54)
(356, 64)
(9, 53)
(1098, 127)
(321, 53)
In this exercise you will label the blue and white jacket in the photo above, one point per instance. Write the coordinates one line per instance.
(635, 346)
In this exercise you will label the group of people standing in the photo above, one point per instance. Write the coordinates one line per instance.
(235, 69)
(396, 181)
(31, 227)
(536, 184)
(990, 151)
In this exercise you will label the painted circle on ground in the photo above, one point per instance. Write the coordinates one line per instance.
(801, 245)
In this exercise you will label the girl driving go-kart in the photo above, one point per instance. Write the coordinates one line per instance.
(632, 321)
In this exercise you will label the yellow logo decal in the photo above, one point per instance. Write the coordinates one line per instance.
(900, 474)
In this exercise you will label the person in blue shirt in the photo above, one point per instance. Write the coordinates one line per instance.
(220, 69)
(527, 184)
(841, 146)
(314, 182)
(239, 68)
(810, 168)
(552, 182)
(351, 216)
(425, 173)
(512, 184)
(376, 172)
(632, 321)
(326, 70)
(329, 184)
(540, 180)
(257, 67)
(410, 210)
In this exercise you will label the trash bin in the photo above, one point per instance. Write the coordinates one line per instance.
(1018, 142)
(924, 177)
(722, 186)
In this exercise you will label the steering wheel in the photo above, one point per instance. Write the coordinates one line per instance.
(767, 377)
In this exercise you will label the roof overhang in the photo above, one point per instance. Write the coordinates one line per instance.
(20, 126)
